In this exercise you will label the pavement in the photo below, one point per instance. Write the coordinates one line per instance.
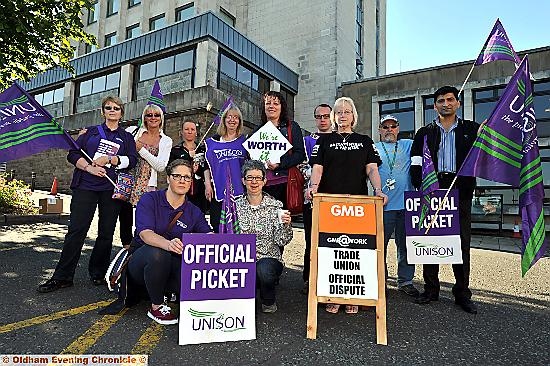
(512, 327)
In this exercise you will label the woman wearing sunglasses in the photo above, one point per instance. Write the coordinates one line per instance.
(111, 148)
(153, 147)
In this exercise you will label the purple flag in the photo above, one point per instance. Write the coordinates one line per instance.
(497, 47)
(156, 97)
(429, 180)
(507, 151)
(229, 223)
(225, 107)
(26, 128)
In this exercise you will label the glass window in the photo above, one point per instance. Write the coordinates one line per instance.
(112, 7)
(133, 3)
(85, 88)
(254, 81)
(228, 66)
(165, 66)
(58, 95)
(227, 17)
(185, 12)
(485, 101)
(184, 61)
(90, 48)
(39, 98)
(244, 75)
(147, 71)
(98, 84)
(157, 22)
(48, 98)
(93, 12)
(403, 110)
(541, 92)
(110, 39)
(132, 31)
(113, 81)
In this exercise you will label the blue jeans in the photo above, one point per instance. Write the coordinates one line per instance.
(394, 221)
(268, 271)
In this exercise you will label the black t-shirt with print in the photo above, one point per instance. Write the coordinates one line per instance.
(344, 158)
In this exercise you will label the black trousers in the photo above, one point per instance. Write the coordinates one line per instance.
(126, 220)
(215, 214)
(307, 215)
(83, 206)
(461, 288)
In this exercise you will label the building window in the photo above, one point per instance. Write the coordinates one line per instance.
(93, 12)
(485, 101)
(99, 84)
(403, 110)
(132, 31)
(185, 12)
(541, 100)
(110, 39)
(113, 7)
(90, 48)
(227, 17)
(157, 22)
(132, 3)
(50, 97)
(430, 113)
(240, 73)
(167, 65)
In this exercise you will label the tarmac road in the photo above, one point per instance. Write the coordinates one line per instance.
(512, 327)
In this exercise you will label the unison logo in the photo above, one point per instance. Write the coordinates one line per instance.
(211, 320)
(433, 250)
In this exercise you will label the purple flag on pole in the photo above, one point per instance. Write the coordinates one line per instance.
(229, 223)
(429, 180)
(225, 107)
(26, 128)
(497, 47)
(507, 151)
(156, 97)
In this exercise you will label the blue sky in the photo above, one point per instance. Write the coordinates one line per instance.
(425, 33)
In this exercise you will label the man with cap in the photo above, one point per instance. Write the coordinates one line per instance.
(395, 177)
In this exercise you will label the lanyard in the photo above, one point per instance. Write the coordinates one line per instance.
(391, 163)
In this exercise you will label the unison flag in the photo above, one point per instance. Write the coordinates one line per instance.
(507, 151)
(429, 180)
(228, 102)
(497, 47)
(229, 223)
(26, 128)
(156, 98)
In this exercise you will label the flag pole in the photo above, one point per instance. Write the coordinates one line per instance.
(91, 161)
(465, 81)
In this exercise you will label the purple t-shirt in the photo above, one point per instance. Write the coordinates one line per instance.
(154, 213)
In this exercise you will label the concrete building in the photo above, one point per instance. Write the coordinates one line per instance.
(326, 42)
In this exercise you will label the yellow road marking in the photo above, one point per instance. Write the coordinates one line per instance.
(148, 340)
(12, 248)
(49, 317)
(90, 336)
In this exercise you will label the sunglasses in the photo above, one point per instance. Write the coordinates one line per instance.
(387, 127)
(320, 116)
(149, 115)
(108, 108)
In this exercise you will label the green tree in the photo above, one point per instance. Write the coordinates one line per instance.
(36, 35)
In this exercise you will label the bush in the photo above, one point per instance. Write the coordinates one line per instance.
(15, 197)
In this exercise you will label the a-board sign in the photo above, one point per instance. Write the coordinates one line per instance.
(442, 243)
(347, 257)
(218, 287)
(268, 143)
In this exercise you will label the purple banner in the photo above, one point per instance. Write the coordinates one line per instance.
(446, 222)
(497, 47)
(218, 267)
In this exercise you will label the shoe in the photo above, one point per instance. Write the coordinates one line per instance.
(305, 289)
(426, 298)
(409, 290)
(269, 308)
(352, 309)
(53, 284)
(99, 281)
(467, 305)
(332, 308)
(163, 315)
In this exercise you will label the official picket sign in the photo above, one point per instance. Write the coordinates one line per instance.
(442, 243)
(268, 143)
(218, 288)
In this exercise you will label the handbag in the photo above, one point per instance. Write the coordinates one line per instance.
(294, 186)
(124, 184)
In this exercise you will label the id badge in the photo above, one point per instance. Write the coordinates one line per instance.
(390, 183)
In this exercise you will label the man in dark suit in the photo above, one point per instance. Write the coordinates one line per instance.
(449, 139)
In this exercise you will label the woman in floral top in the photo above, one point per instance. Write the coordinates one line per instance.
(261, 214)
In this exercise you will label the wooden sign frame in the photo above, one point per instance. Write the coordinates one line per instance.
(314, 300)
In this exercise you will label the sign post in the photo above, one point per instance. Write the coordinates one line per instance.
(347, 257)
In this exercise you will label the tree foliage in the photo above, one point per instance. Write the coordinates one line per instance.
(36, 35)
(15, 197)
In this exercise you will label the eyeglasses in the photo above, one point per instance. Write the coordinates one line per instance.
(180, 177)
(251, 178)
(346, 112)
(387, 127)
(108, 108)
(149, 115)
(321, 116)
(236, 118)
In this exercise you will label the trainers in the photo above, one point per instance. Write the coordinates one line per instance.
(269, 308)
(409, 290)
(53, 285)
(163, 315)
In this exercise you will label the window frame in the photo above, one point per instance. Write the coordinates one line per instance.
(131, 28)
(110, 36)
(154, 19)
(180, 10)
(111, 7)
(94, 10)
(396, 110)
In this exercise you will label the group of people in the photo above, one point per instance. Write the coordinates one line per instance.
(338, 160)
